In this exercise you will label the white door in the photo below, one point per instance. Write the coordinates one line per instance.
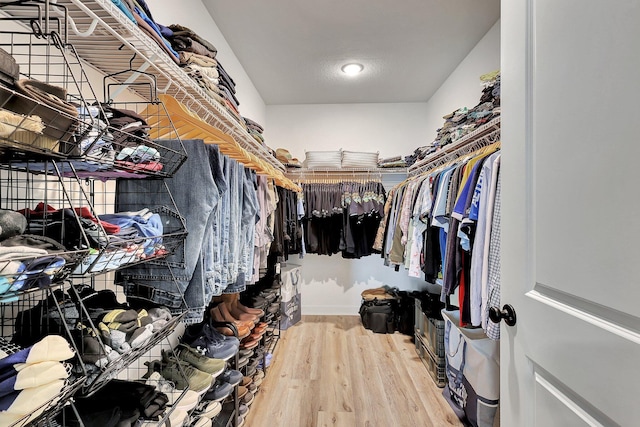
(571, 212)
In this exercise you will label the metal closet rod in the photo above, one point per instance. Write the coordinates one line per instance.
(337, 175)
(483, 130)
(469, 148)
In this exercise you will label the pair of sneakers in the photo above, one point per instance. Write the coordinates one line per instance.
(223, 386)
(209, 342)
(183, 375)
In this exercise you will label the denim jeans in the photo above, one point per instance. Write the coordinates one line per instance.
(248, 210)
(185, 281)
(232, 203)
(223, 224)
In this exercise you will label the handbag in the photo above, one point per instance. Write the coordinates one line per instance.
(473, 372)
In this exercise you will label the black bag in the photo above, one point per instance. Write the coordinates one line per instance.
(431, 305)
(378, 316)
(405, 312)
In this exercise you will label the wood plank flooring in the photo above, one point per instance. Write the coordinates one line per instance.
(330, 371)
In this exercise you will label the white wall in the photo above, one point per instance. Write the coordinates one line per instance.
(193, 14)
(391, 129)
(462, 88)
(332, 285)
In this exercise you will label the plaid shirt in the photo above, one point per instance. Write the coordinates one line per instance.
(493, 329)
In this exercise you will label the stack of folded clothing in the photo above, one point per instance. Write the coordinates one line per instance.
(285, 157)
(67, 226)
(228, 91)
(134, 149)
(132, 237)
(197, 57)
(138, 12)
(32, 378)
(95, 142)
(119, 403)
(32, 113)
(464, 121)
(26, 260)
(392, 162)
(109, 138)
(254, 129)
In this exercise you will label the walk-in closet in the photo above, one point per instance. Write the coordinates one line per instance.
(295, 214)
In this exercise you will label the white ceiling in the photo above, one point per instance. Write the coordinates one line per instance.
(292, 50)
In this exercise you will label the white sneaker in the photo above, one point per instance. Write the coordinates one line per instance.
(184, 400)
(209, 409)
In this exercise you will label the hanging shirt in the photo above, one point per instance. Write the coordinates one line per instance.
(484, 187)
(420, 213)
(487, 240)
(439, 213)
(493, 329)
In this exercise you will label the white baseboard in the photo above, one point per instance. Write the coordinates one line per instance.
(330, 310)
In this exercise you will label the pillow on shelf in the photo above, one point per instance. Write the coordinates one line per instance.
(359, 160)
(323, 159)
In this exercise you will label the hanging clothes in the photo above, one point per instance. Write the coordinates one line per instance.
(440, 224)
(342, 217)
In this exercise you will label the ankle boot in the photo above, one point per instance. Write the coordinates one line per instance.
(239, 314)
(228, 317)
(216, 315)
(255, 311)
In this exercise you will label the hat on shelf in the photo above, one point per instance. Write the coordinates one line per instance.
(285, 157)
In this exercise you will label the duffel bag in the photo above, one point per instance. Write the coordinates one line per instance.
(378, 316)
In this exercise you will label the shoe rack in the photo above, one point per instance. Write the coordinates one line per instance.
(61, 37)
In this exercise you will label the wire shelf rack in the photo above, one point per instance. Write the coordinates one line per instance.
(107, 39)
(21, 322)
(51, 233)
(41, 109)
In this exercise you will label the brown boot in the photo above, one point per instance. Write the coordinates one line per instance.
(231, 301)
(255, 311)
(228, 317)
(216, 315)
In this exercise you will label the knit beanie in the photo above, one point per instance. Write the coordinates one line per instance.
(33, 375)
(11, 223)
(26, 401)
(50, 348)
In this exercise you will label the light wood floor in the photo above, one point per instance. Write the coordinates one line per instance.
(330, 371)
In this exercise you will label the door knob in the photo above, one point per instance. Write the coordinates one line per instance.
(508, 313)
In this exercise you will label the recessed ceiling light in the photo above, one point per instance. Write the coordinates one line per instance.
(352, 69)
